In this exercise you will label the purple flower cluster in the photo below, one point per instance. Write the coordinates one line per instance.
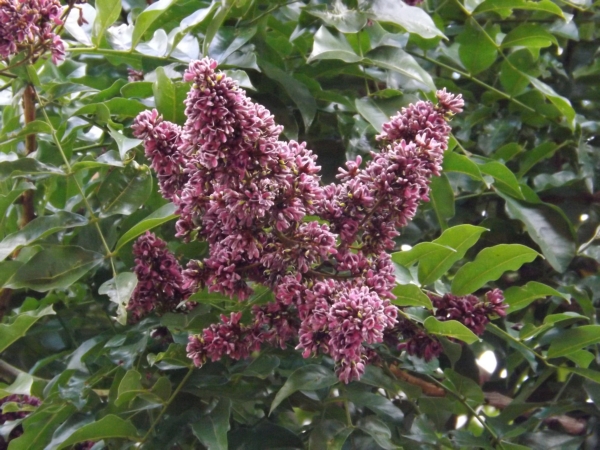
(248, 194)
(29, 25)
(23, 402)
(472, 312)
(159, 277)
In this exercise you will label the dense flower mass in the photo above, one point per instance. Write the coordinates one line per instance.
(248, 194)
(160, 283)
(28, 25)
(10, 421)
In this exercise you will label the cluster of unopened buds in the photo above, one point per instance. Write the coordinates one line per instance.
(28, 25)
(249, 195)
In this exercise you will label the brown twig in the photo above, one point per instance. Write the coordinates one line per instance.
(428, 388)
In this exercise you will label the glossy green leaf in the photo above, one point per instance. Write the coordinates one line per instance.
(308, 378)
(420, 251)
(161, 215)
(529, 35)
(519, 297)
(297, 91)
(378, 430)
(10, 332)
(377, 403)
(228, 40)
(55, 267)
(119, 291)
(450, 328)
(39, 228)
(582, 358)
(505, 7)
(548, 226)
(476, 51)
(40, 425)
(215, 25)
(574, 339)
(7, 270)
(165, 96)
(137, 89)
(504, 179)
(34, 127)
(459, 238)
(489, 265)
(410, 295)
(397, 60)
(341, 18)
(146, 18)
(442, 199)
(124, 191)
(9, 198)
(464, 387)
(377, 111)
(211, 430)
(129, 387)
(107, 12)
(329, 435)
(561, 103)
(124, 143)
(532, 157)
(411, 18)
(124, 107)
(453, 162)
(26, 167)
(332, 45)
(110, 426)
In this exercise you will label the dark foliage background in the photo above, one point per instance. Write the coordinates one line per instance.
(523, 166)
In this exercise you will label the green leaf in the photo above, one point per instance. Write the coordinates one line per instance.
(26, 167)
(55, 267)
(162, 215)
(476, 51)
(123, 143)
(532, 157)
(328, 45)
(459, 238)
(547, 225)
(574, 339)
(110, 426)
(307, 378)
(146, 18)
(40, 425)
(10, 332)
(377, 111)
(329, 435)
(504, 8)
(590, 374)
(442, 199)
(450, 328)
(464, 387)
(376, 403)
(215, 25)
(122, 192)
(378, 430)
(297, 91)
(229, 40)
(124, 107)
(397, 60)
(504, 179)
(453, 162)
(529, 35)
(519, 297)
(165, 96)
(119, 291)
(412, 19)
(137, 89)
(107, 12)
(490, 264)
(561, 103)
(410, 295)
(7, 270)
(39, 228)
(420, 251)
(129, 387)
(341, 18)
(12, 195)
(211, 430)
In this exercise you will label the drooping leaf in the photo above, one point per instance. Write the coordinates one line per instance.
(124, 191)
(376, 111)
(450, 328)
(529, 35)
(55, 267)
(442, 200)
(39, 228)
(519, 297)
(532, 157)
(110, 426)
(505, 7)
(309, 378)
(490, 264)
(119, 291)
(504, 179)
(561, 103)
(10, 332)
(410, 295)
(26, 167)
(211, 429)
(341, 18)
(328, 45)
(453, 162)
(465, 387)
(161, 215)
(397, 60)
(411, 18)
(146, 18)
(228, 40)
(378, 430)
(548, 227)
(574, 339)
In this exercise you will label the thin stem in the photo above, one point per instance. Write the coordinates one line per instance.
(269, 11)
(348, 416)
(502, 333)
(166, 406)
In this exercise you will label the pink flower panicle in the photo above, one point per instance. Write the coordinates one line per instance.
(248, 195)
(29, 24)
(160, 283)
